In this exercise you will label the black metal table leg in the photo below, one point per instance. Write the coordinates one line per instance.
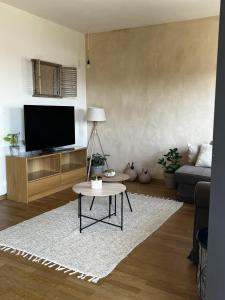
(102, 220)
(121, 211)
(78, 206)
(79, 196)
(110, 203)
(115, 205)
(79, 213)
(128, 200)
(92, 203)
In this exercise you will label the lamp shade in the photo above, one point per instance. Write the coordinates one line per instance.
(96, 114)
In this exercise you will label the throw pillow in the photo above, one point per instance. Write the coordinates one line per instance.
(205, 156)
(193, 151)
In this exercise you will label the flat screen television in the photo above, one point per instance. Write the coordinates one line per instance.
(48, 127)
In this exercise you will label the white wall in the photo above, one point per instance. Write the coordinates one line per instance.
(157, 85)
(24, 36)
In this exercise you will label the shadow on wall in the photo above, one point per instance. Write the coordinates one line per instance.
(26, 71)
(80, 118)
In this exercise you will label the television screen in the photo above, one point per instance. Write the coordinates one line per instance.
(48, 126)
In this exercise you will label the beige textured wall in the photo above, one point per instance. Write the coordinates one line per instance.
(157, 85)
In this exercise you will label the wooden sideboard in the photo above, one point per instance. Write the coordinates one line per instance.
(30, 177)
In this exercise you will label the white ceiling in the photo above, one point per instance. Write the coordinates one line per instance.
(106, 15)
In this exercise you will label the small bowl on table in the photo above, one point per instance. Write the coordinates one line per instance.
(109, 173)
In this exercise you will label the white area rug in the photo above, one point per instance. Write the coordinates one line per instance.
(53, 238)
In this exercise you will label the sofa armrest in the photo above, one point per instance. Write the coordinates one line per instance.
(202, 194)
(202, 197)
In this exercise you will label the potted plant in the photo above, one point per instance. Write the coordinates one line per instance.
(170, 163)
(13, 139)
(97, 163)
(96, 182)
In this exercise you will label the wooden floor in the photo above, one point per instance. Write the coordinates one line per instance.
(156, 270)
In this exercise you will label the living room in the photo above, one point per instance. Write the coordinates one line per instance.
(133, 83)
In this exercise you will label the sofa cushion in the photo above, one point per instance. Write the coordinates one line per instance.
(192, 175)
(205, 156)
(192, 154)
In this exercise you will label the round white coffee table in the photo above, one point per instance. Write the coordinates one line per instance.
(107, 190)
(119, 177)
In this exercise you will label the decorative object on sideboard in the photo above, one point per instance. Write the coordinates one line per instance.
(130, 170)
(170, 163)
(97, 163)
(95, 115)
(144, 176)
(96, 182)
(53, 80)
(13, 139)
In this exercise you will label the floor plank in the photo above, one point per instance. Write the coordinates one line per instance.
(157, 269)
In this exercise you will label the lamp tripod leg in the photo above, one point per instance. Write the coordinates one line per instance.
(92, 138)
(91, 135)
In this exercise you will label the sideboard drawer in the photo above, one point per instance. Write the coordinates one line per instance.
(43, 184)
(73, 176)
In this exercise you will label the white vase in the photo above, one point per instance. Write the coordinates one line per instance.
(145, 176)
(14, 150)
(131, 172)
(96, 184)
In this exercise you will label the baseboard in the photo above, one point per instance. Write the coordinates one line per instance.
(3, 197)
(158, 180)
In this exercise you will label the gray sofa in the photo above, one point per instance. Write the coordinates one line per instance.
(202, 197)
(186, 179)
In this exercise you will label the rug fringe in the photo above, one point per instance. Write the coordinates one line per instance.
(49, 264)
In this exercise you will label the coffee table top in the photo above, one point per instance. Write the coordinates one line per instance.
(108, 189)
(119, 177)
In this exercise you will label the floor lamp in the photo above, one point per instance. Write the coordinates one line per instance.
(95, 115)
